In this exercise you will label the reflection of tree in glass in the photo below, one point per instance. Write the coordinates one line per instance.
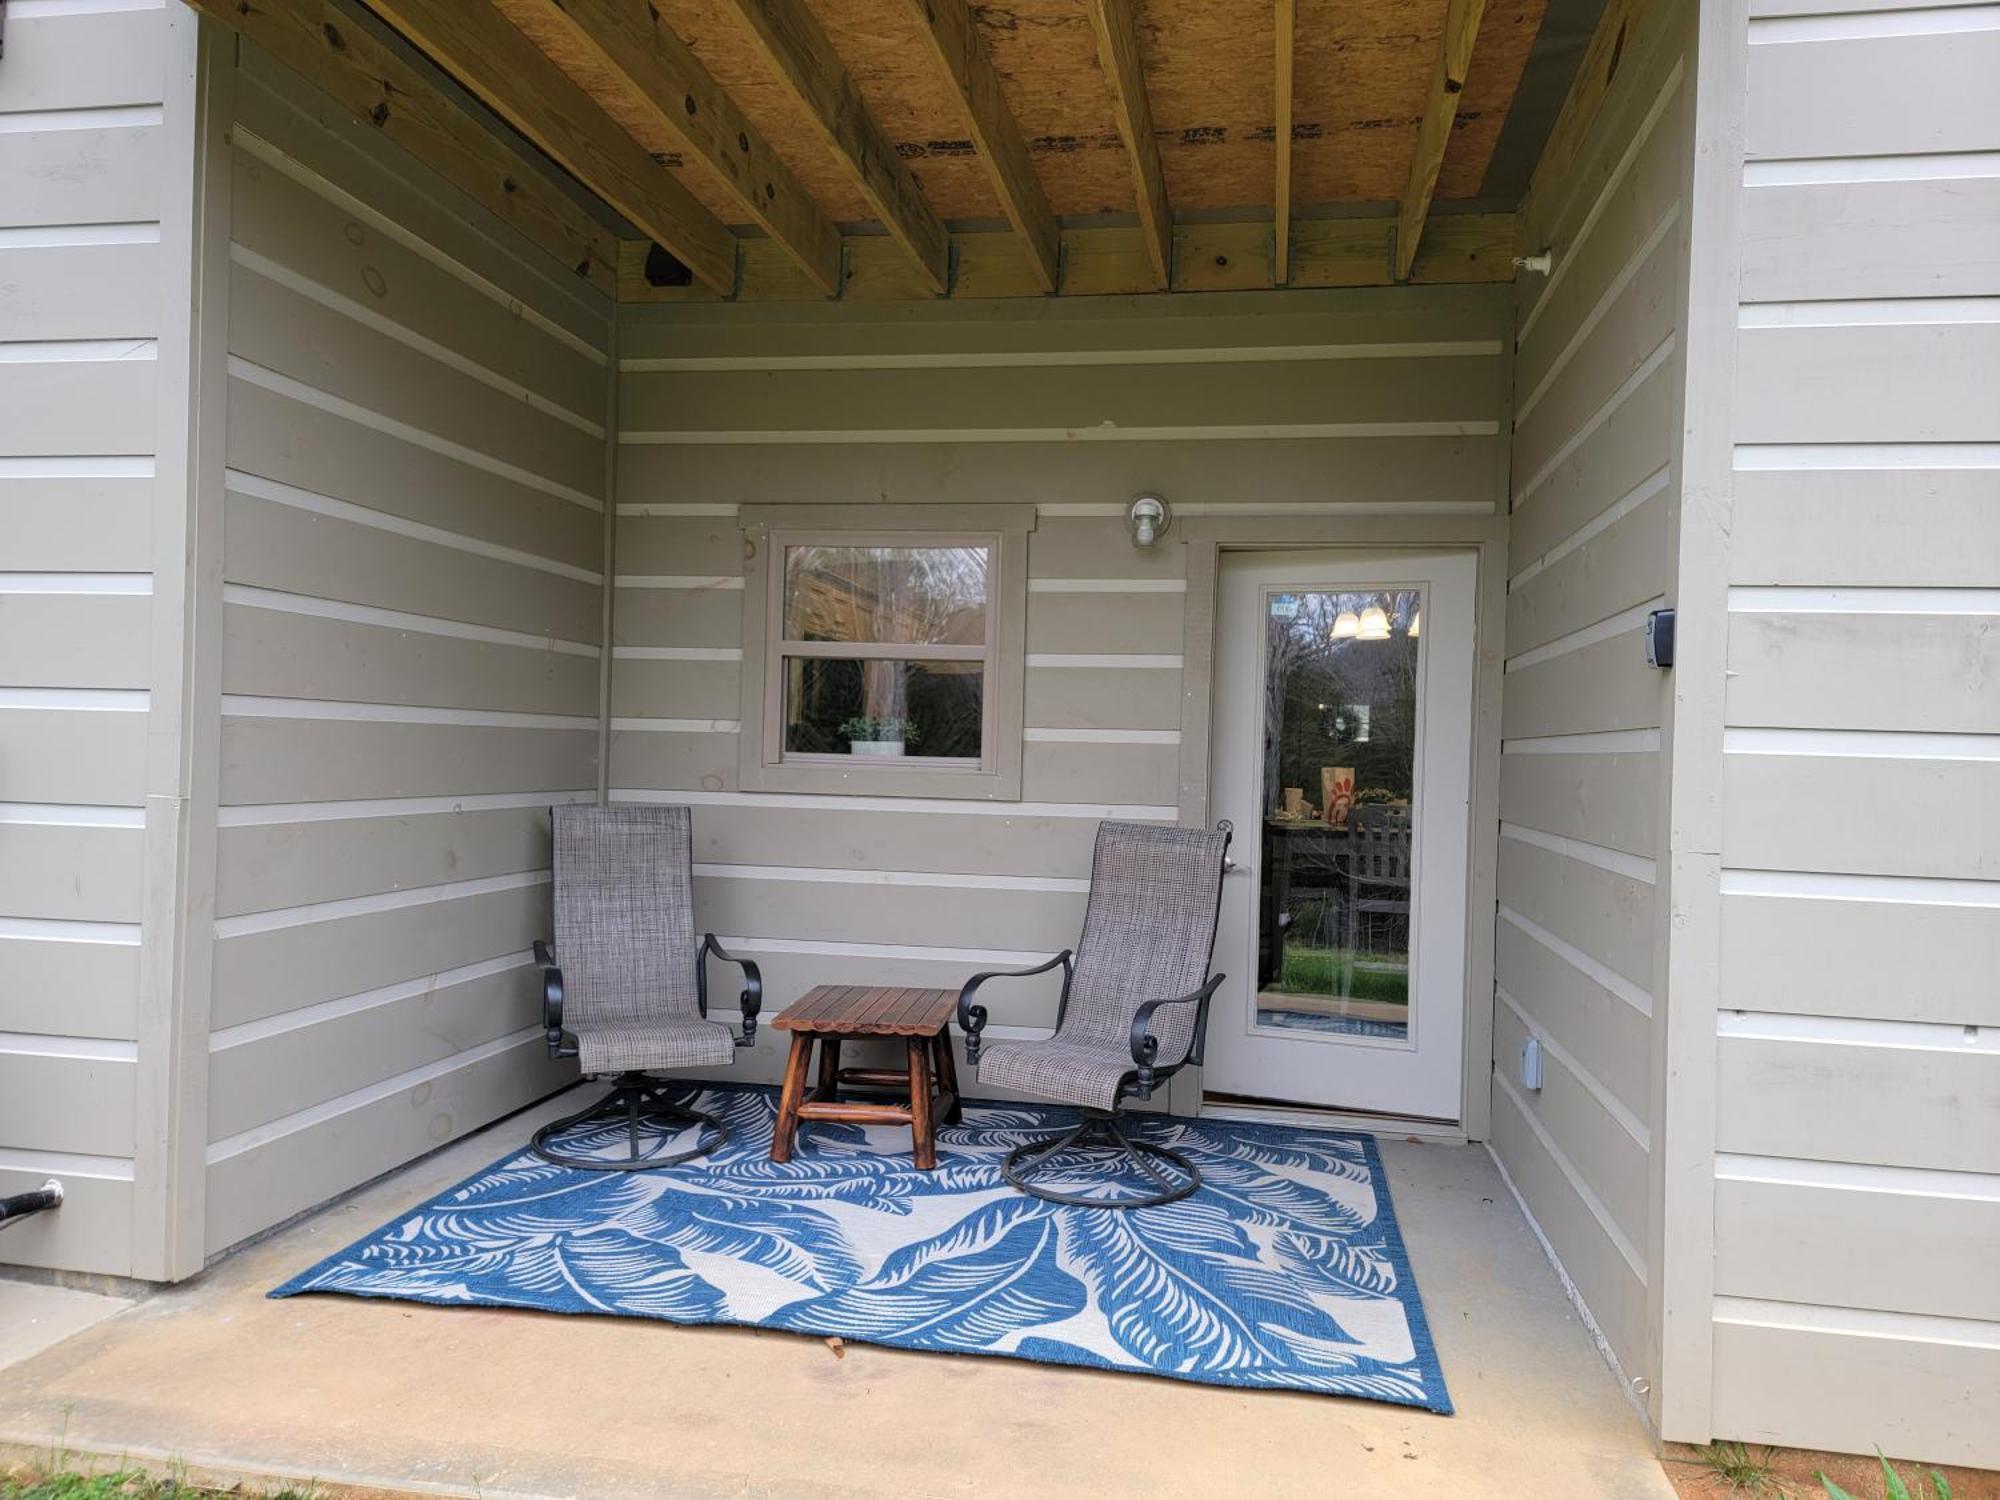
(917, 596)
(1310, 680)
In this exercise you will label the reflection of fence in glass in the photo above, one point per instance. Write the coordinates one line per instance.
(1340, 727)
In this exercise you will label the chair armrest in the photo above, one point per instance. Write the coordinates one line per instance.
(561, 1043)
(972, 1018)
(750, 1002)
(1146, 1046)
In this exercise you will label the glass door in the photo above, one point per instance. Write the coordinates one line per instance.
(1342, 754)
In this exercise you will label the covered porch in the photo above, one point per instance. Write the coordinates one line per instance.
(495, 1403)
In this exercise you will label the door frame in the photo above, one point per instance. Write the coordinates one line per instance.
(1206, 537)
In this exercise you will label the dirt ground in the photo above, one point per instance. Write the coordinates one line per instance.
(1792, 1475)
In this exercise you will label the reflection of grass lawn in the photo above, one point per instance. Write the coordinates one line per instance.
(1320, 971)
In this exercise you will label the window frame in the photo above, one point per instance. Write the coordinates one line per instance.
(769, 531)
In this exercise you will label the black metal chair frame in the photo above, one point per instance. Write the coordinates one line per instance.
(1173, 1176)
(638, 1098)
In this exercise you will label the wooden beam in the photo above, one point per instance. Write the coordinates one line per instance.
(797, 49)
(483, 50)
(954, 37)
(1461, 30)
(1461, 249)
(1125, 73)
(326, 46)
(1281, 135)
(629, 39)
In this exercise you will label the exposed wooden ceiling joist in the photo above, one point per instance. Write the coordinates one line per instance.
(796, 47)
(1125, 74)
(482, 49)
(628, 39)
(1454, 59)
(323, 44)
(1281, 138)
(948, 26)
(1460, 249)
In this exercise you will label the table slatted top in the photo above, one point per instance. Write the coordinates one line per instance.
(870, 1010)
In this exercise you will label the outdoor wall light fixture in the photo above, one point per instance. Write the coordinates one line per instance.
(1149, 518)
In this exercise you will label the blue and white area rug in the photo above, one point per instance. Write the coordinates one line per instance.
(1286, 1270)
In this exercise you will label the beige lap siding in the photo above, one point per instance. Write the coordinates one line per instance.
(1859, 1046)
(81, 267)
(1597, 369)
(1366, 403)
(411, 652)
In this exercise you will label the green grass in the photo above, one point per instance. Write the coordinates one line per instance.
(125, 1484)
(1318, 971)
(1738, 1467)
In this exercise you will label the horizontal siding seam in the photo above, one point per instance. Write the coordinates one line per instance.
(1606, 979)
(1654, 113)
(1611, 861)
(259, 706)
(926, 879)
(283, 601)
(441, 354)
(256, 487)
(256, 146)
(352, 411)
(677, 726)
(1591, 1083)
(66, 1164)
(1606, 409)
(941, 807)
(1602, 522)
(1857, 1322)
(1586, 635)
(276, 1130)
(1606, 301)
(1219, 432)
(249, 1032)
(1608, 1226)
(1856, 1177)
(277, 814)
(252, 924)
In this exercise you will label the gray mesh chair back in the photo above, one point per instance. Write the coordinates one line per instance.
(1148, 934)
(624, 992)
(624, 915)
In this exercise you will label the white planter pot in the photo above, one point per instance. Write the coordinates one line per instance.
(875, 747)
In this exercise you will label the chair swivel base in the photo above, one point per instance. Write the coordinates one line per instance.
(651, 1120)
(1171, 1175)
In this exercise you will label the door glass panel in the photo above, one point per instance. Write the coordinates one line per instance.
(1339, 812)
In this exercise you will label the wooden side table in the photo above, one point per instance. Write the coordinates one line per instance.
(834, 1013)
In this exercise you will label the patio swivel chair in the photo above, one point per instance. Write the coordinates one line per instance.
(1134, 1012)
(630, 997)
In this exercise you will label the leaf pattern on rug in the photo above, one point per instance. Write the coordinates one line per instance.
(1286, 1270)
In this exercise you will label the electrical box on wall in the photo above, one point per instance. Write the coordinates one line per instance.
(1531, 1064)
(1660, 638)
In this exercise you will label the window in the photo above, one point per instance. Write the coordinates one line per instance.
(884, 649)
(890, 657)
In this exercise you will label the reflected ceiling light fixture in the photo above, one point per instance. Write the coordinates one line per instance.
(1374, 623)
(1416, 623)
(1346, 626)
(1149, 518)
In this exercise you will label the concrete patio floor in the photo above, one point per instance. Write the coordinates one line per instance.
(466, 1401)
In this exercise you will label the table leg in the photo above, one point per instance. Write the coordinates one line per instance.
(789, 1097)
(947, 1071)
(829, 1069)
(923, 1137)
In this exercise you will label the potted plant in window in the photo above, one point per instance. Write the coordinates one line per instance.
(866, 736)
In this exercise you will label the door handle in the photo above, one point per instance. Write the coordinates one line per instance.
(1230, 867)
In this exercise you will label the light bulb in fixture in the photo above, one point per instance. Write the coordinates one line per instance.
(1416, 624)
(1374, 623)
(1346, 626)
